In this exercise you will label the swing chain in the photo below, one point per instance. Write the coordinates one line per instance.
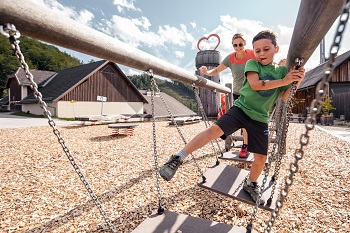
(280, 141)
(15, 44)
(206, 120)
(176, 125)
(316, 106)
(153, 84)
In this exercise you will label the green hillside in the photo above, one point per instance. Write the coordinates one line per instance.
(38, 55)
(179, 91)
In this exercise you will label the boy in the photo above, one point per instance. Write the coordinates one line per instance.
(264, 82)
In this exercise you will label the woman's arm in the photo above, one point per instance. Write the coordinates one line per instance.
(214, 71)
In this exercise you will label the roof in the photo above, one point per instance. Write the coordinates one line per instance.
(176, 108)
(63, 81)
(4, 101)
(20, 76)
(312, 77)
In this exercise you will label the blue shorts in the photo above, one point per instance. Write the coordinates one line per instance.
(258, 133)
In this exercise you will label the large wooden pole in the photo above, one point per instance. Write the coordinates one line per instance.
(315, 18)
(47, 25)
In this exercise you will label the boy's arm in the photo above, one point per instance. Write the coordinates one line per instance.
(292, 76)
(285, 94)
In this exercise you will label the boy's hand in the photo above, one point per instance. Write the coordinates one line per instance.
(295, 75)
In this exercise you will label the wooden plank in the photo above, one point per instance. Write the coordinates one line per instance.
(171, 222)
(228, 181)
(314, 20)
(232, 155)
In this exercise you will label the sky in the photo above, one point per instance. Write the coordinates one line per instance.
(170, 30)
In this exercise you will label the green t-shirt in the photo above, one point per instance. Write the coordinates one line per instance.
(256, 104)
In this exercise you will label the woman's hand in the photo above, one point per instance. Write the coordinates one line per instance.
(203, 69)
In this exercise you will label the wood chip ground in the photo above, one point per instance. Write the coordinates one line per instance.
(40, 191)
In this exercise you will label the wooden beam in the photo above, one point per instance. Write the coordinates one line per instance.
(47, 25)
(315, 18)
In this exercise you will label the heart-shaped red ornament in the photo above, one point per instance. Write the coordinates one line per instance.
(207, 38)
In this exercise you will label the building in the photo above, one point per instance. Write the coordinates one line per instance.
(98, 88)
(338, 90)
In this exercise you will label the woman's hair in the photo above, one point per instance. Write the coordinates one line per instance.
(238, 35)
(266, 34)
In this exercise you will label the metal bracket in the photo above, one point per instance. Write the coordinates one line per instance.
(299, 60)
(8, 30)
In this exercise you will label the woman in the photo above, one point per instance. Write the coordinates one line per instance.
(236, 62)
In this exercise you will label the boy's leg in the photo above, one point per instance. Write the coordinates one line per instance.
(258, 144)
(251, 185)
(244, 150)
(226, 125)
(201, 139)
(257, 166)
(168, 170)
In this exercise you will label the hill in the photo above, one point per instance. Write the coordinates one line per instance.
(180, 91)
(38, 55)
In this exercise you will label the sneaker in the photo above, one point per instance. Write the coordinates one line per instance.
(253, 189)
(167, 171)
(243, 153)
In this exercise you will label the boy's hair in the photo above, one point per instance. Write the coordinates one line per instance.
(266, 34)
(238, 35)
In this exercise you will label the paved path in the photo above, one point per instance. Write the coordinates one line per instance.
(12, 121)
(339, 132)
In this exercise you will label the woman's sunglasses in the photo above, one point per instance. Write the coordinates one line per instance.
(235, 45)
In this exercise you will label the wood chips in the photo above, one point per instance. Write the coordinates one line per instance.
(41, 192)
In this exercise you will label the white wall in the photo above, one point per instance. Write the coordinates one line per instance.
(66, 109)
(37, 110)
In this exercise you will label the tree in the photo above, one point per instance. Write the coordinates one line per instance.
(327, 105)
(37, 55)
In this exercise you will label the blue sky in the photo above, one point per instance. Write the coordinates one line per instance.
(170, 30)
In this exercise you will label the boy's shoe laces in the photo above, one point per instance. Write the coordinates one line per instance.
(174, 162)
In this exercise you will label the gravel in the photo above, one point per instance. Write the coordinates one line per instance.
(41, 192)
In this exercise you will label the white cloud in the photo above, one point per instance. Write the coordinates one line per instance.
(193, 24)
(125, 4)
(174, 35)
(128, 30)
(84, 16)
(179, 54)
(130, 72)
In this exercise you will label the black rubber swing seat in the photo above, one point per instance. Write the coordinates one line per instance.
(171, 222)
(228, 181)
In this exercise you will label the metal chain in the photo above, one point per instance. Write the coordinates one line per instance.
(287, 110)
(153, 83)
(43, 105)
(156, 167)
(205, 120)
(216, 140)
(315, 108)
